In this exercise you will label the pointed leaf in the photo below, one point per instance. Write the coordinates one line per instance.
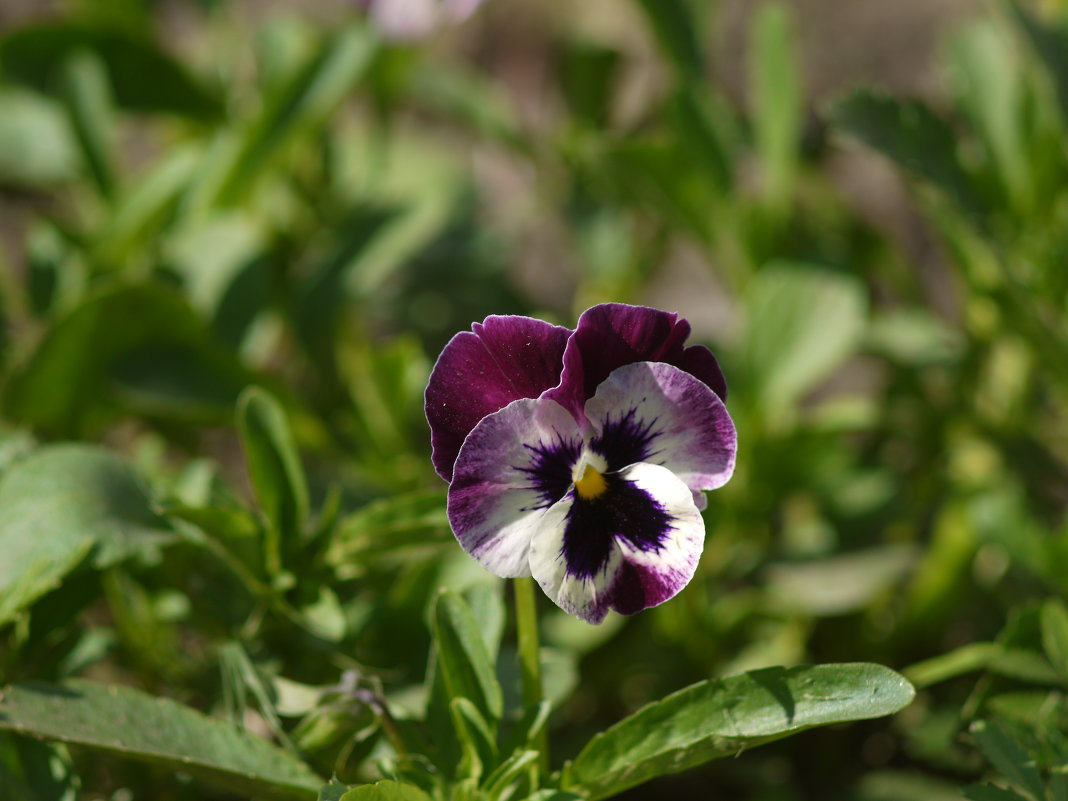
(1055, 634)
(673, 23)
(777, 98)
(1051, 46)
(508, 771)
(273, 462)
(477, 741)
(722, 717)
(88, 100)
(389, 528)
(133, 724)
(303, 104)
(1008, 757)
(462, 659)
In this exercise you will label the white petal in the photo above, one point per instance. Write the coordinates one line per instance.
(640, 560)
(495, 502)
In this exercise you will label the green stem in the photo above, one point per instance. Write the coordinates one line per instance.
(526, 620)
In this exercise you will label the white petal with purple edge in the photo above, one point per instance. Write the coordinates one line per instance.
(650, 577)
(684, 424)
(639, 567)
(496, 501)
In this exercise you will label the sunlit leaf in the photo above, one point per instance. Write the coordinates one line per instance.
(138, 726)
(723, 717)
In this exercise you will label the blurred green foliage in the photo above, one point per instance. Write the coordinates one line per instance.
(239, 252)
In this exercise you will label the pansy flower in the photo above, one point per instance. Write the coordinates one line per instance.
(581, 457)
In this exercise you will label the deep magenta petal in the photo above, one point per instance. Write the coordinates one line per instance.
(503, 359)
(698, 361)
(612, 335)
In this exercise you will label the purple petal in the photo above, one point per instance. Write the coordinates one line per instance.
(513, 466)
(634, 547)
(505, 359)
(655, 412)
(611, 335)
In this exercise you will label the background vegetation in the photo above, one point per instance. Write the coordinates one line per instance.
(198, 199)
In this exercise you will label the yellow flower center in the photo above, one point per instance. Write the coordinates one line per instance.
(588, 476)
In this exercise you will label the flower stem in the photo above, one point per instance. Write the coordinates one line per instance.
(526, 619)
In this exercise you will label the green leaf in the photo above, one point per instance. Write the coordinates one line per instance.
(1008, 757)
(35, 771)
(333, 791)
(966, 659)
(88, 101)
(1055, 634)
(386, 791)
(478, 742)
(388, 529)
(487, 605)
(462, 659)
(588, 73)
(225, 270)
(145, 208)
(676, 29)
(777, 99)
(705, 127)
(527, 729)
(1051, 46)
(130, 723)
(842, 583)
(320, 299)
(722, 717)
(61, 505)
(803, 323)
(912, 136)
(36, 147)
(472, 98)
(300, 107)
(160, 361)
(142, 77)
(508, 771)
(988, 792)
(989, 90)
(273, 462)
